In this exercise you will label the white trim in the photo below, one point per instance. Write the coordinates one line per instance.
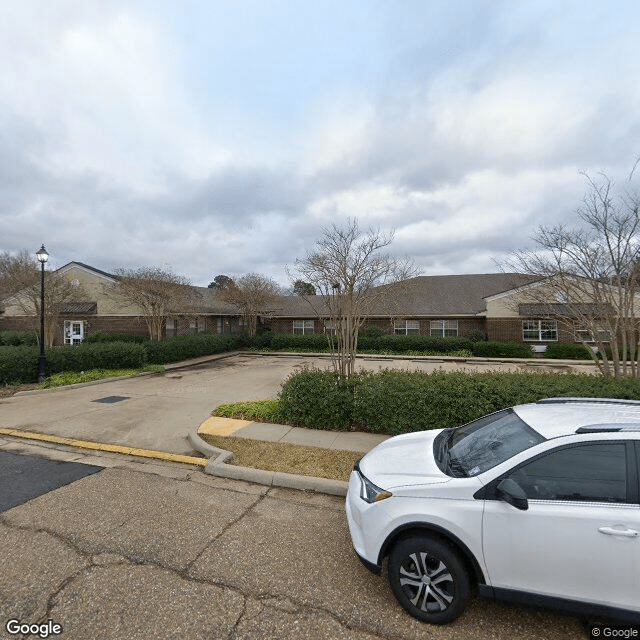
(75, 265)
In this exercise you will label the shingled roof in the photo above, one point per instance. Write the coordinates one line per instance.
(428, 296)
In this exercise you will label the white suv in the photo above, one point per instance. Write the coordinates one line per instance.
(537, 504)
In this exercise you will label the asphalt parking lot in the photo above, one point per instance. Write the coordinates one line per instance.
(157, 412)
(148, 550)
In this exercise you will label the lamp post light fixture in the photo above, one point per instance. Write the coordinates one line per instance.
(42, 256)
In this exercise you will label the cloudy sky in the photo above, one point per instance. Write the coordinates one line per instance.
(220, 137)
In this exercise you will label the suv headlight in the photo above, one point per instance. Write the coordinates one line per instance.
(370, 492)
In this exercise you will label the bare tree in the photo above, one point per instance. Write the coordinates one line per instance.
(58, 293)
(354, 278)
(157, 293)
(589, 275)
(17, 272)
(252, 295)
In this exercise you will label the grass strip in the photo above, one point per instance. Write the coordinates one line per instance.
(288, 458)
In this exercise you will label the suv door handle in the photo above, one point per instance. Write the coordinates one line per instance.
(625, 533)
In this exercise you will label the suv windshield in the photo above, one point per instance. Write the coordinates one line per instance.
(483, 444)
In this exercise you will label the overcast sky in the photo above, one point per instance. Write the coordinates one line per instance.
(220, 137)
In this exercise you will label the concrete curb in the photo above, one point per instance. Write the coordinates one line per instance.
(214, 454)
(472, 360)
(80, 385)
(277, 479)
(109, 448)
(217, 467)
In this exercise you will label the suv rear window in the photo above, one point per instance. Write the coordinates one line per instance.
(485, 443)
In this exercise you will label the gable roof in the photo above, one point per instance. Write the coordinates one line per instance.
(426, 296)
(88, 268)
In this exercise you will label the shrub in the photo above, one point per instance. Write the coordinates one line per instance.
(492, 349)
(372, 331)
(18, 364)
(18, 338)
(193, 346)
(415, 343)
(476, 335)
(400, 401)
(317, 399)
(568, 352)
(85, 357)
(101, 336)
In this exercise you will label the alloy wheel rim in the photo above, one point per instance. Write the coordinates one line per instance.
(427, 582)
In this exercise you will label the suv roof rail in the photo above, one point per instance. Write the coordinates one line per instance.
(591, 400)
(604, 428)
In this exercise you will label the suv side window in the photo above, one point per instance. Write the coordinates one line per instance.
(585, 473)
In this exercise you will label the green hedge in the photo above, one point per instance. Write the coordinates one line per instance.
(492, 349)
(101, 336)
(317, 399)
(20, 364)
(18, 338)
(184, 347)
(399, 402)
(563, 351)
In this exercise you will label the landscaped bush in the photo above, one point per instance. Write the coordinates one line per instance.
(184, 347)
(492, 349)
(101, 336)
(83, 357)
(20, 364)
(398, 402)
(415, 343)
(18, 338)
(317, 399)
(562, 351)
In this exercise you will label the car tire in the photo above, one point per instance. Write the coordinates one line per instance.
(429, 579)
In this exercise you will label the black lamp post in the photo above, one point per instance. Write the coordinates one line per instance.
(42, 256)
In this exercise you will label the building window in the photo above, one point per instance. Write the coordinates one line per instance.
(193, 325)
(540, 330)
(330, 328)
(582, 334)
(303, 326)
(170, 328)
(73, 331)
(407, 327)
(443, 328)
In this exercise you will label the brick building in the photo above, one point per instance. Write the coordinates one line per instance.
(453, 305)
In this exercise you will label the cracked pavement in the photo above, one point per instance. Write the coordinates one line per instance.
(165, 551)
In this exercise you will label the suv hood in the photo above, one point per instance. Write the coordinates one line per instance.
(402, 461)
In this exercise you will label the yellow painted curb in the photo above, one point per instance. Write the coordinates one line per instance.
(110, 448)
(217, 426)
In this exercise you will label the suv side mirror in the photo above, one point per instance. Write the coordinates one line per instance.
(512, 493)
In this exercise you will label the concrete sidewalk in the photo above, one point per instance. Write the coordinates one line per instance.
(286, 434)
(277, 433)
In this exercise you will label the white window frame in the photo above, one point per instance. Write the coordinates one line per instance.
(443, 328)
(170, 327)
(303, 326)
(534, 330)
(582, 334)
(406, 327)
(68, 335)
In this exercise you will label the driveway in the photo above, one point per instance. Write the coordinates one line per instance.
(157, 412)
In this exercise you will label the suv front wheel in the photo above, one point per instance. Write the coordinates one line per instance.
(428, 579)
